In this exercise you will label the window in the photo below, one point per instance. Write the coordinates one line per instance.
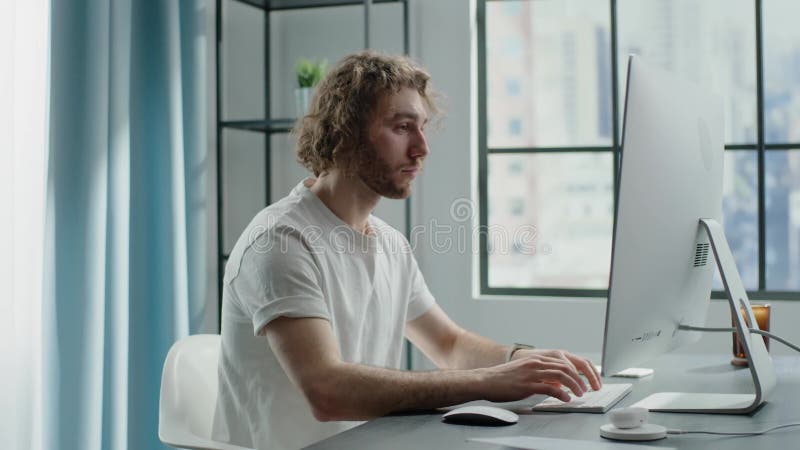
(513, 87)
(567, 61)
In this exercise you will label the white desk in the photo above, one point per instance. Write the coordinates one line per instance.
(688, 373)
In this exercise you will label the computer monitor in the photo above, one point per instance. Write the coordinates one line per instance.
(666, 231)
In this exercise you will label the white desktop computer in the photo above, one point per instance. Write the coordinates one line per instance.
(666, 231)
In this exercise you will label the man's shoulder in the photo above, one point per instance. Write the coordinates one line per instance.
(288, 217)
(288, 213)
(296, 210)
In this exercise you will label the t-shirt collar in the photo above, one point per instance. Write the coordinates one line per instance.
(336, 224)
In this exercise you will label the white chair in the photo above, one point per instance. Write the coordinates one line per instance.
(189, 394)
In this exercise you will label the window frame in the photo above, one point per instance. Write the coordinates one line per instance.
(760, 148)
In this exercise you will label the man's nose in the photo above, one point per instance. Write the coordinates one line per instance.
(419, 146)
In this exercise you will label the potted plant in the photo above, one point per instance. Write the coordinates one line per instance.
(308, 75)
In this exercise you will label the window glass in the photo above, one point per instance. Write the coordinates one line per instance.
(740, 215)
(551, 221)
(711, 42)
(782, 169)
(781, 71)
(548, 64)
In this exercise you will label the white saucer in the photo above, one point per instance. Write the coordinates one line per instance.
(646, 432)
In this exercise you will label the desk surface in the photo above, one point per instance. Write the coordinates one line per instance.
(687, 373)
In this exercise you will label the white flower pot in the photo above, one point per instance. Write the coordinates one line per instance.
(302, 98)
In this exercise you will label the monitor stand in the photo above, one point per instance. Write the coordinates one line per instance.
(758, 359)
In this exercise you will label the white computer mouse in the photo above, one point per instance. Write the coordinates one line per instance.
(481, 415)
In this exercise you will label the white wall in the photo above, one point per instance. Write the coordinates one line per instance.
(442, 39)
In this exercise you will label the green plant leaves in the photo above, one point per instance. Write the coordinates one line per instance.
(310, 72)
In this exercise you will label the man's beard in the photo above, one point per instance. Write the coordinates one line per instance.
(376, 173)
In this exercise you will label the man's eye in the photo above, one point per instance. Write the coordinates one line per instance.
(403, 127)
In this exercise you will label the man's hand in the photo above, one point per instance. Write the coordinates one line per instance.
(540, 372)
(582, 365)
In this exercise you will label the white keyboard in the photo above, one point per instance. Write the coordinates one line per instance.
(591, 402)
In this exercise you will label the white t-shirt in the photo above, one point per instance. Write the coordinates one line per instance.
(298, 259)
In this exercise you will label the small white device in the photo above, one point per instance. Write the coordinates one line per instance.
(630, 424)
(634, 372)
(630, 372)
(628, 417)
(591, 401)
(481, 415)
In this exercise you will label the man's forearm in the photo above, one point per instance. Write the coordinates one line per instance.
(450, 346)
(359, 392)
(471, 351)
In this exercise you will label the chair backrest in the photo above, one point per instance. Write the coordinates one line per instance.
(189, 393)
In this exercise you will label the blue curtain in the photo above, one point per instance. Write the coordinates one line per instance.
(125, 258)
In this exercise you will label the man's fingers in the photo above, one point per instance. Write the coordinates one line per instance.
(557, 370)
(552, 369)
(595, 379)
(587, 368)
(555, 377)
(553, 382)
(560, 355)
(575, 373)
(552, 391)
(581, 365)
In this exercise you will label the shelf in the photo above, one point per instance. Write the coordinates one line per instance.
(263, 126)
(283, 5)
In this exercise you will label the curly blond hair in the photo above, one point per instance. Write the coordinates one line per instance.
(334, 131)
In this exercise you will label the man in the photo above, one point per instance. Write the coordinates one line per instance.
(318, 293)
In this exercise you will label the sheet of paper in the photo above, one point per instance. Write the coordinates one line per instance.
(541, 443)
